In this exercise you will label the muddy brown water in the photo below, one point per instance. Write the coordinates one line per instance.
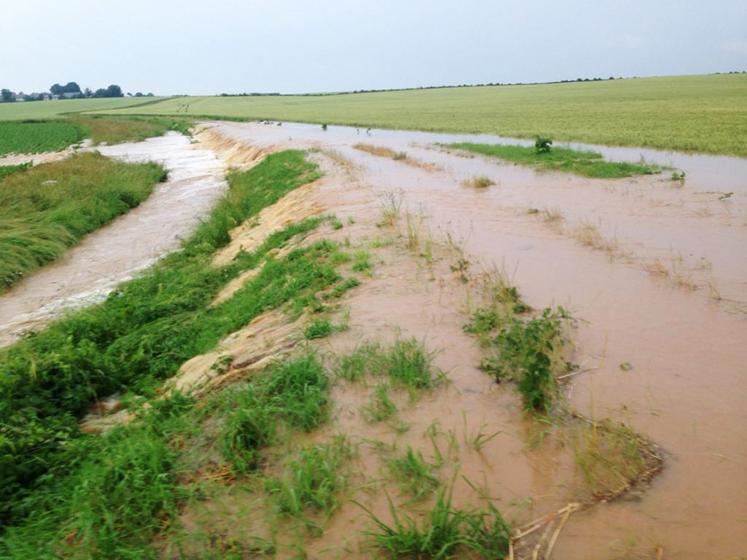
(131, 243)
(684, 331)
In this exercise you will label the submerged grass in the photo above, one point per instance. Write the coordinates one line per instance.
(588, 164)
(444, 532)
(414, 474)
(406, 364)
(144, 331)
(50, 207)
(313, 480)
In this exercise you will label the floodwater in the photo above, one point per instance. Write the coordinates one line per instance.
(662, 287)
(131, 243)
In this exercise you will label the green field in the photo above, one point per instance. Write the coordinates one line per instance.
(689, 113)
(46, 209)
(36, 137)
(53, 109)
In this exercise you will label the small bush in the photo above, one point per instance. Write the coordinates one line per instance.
(542, 145)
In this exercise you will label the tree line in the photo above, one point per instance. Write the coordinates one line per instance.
(71, 90)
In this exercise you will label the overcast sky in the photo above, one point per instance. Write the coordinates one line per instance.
(212, 46)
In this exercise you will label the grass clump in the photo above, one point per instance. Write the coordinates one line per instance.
(526, 349)
(380, 406)
(405, 363)
(610, 457)
(530, 353)
(318, 328)
(33, 137)
(585, 163)
(479, 182)
(444, 532)
(50, 207)
(313, 480)
(362, 261)
(294, 392)
(414, 474)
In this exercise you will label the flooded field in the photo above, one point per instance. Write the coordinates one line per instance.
(652, 269)
(655, 272)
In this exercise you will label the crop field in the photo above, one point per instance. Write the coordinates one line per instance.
(35, 137)
(689, 113)
(46, 209)
(39, 110)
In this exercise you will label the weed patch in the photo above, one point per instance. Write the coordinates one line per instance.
(314, 479)
(444, 532)
(414, 474)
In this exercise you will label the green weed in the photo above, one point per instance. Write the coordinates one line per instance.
(379, 407)
(414, 474)
(314, 479)
(444, 532)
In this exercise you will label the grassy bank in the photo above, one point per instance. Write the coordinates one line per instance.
(587, 164)
(142, 333)
(689, 113)
(49, 208)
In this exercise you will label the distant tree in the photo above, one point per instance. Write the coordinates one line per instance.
(101, 92)
(139, 94)
(114, 91)
(56, 89)
(6, 95)
(71, 87)
(87, 92)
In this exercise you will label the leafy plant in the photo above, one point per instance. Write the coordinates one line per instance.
(542, 145)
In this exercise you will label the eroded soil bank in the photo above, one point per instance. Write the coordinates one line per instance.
(654, 271)
(89, 271)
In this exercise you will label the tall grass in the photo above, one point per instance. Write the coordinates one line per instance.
(49, 208)
(147, 328)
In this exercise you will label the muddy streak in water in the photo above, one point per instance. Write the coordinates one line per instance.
(132, 242)
(688, 353)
